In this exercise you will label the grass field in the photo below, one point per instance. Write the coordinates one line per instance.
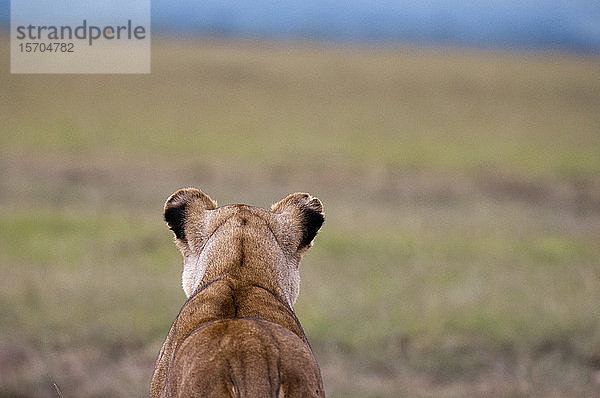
(461, 252)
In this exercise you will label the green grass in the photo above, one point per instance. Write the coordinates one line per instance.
(460, 255)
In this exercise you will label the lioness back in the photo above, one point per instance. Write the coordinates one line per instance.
(243, 358)
(237, 334)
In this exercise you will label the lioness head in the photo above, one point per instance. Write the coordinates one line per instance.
(249, 244)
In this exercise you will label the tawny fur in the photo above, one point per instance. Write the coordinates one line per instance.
(237, 335)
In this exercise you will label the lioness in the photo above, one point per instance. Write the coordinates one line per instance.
(237, 335)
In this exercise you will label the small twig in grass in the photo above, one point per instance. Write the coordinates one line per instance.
(58, 390)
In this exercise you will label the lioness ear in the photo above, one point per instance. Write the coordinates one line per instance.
(179, 205)
(309, 213)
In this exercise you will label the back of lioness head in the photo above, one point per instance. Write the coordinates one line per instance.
(243, 242)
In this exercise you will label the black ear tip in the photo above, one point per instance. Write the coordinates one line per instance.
(313, 220)
(309, 211)
(175, 218)
(177, 205)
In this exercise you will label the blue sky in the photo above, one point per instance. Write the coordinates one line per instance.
(558, 24)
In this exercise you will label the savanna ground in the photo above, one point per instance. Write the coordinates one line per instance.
(461, 252)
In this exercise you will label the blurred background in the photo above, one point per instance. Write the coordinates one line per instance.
(455, 146)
